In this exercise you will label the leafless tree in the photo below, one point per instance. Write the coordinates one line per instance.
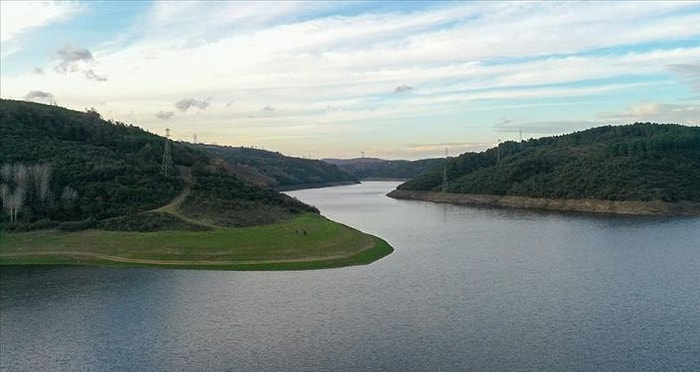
(69, 194)
(21, 175)
(42, 177)
(4, 194)
(16, 203)
(6, 172)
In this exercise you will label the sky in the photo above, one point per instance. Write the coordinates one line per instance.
(396, 80)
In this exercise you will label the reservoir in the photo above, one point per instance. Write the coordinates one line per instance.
(466, 289)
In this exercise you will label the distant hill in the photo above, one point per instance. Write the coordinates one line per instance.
(74, 169)
(639, 162)
(279, 171)
(367, 168)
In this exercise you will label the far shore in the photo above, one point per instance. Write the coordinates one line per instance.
(632, 208)
(306, 186)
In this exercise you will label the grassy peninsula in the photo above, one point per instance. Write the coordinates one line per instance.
(77, 189)
(642, 168)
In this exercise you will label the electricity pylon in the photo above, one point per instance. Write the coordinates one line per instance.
(167, 166)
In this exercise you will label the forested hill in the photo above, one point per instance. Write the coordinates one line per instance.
(640, 162)
(59, 165)
(365, 168)
(278, 171)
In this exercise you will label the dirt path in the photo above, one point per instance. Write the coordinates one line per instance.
(369, 245)
(186, 175)
(174, 205)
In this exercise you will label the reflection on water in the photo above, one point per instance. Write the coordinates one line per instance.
(466, 289)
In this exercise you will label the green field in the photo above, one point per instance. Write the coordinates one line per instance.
(281, 246)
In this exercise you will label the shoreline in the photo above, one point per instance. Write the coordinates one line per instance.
(281, 246)
(309, 186)
(613, 207)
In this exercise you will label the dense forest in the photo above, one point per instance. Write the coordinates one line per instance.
(278, 171)
(643, 161)
(367, 168)
(70, 169)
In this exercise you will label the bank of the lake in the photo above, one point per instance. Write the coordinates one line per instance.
(309, 241)
(639, 208)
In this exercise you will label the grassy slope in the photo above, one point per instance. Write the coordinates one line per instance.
(280, 246)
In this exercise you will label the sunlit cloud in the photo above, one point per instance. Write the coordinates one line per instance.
(657, 113)
(17, 17)
(373, 73)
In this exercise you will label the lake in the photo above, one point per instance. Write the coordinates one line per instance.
(466, 289)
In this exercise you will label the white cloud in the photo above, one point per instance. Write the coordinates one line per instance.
(656, 112)
(339, 71)
(17, 17)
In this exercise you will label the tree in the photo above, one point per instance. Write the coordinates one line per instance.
(21, 175)
(69, 194)
(42, 177)
(4, 194)
(6, 172)
(16, 203)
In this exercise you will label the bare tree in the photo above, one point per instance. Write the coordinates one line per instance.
(69, 194)
(21, 175)
(4, 194)
(6, 172)
(42, 177)
(16, 203)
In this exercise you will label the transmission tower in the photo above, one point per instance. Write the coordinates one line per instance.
(167, 166)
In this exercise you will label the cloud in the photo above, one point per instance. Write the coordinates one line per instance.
(657, 113)
(38, 70)
(268, 108)
(40, 96)
(77, 60)
(165, 115)
(70, 59)
(17, 17)
(403, 89)
(91, 75)
(688, 72)
(549, 55)
(544, 127)
(185, 104)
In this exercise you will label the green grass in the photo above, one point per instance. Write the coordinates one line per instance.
(281, 246)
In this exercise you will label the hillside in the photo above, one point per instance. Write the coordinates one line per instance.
(279, 171)
(368, 168)
(97, 170)
(640, 162)
(77, 189)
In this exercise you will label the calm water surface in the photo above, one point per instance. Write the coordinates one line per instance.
(466, 289)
